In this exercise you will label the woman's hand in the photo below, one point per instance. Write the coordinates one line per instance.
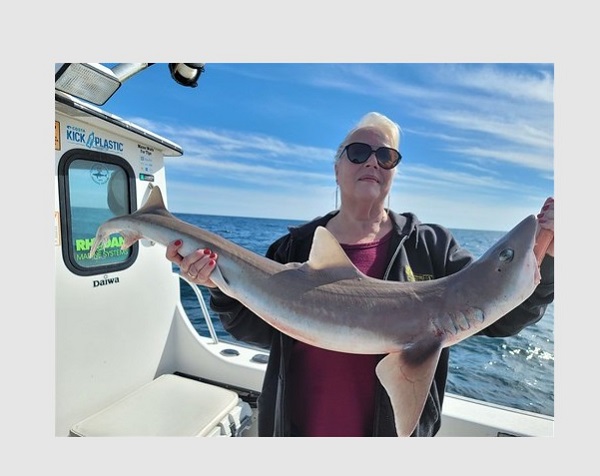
(196, 266)
(544, 244)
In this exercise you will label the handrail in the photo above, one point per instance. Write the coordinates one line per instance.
(205, 313)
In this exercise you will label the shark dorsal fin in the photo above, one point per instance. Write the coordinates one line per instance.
(326, 253)
(155, 199)
(154, 204)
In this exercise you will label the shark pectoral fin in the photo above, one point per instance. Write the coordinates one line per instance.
(407, 380)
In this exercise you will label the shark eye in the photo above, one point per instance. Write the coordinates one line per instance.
(507, 255)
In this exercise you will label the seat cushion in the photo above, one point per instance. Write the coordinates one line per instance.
(170, 405)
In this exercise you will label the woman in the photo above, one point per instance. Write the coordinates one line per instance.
(308, 391)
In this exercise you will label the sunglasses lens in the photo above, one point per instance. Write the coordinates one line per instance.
(358, 153)
(387, 158)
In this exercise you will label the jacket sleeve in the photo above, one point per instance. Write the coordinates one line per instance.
(237, 319)
(531, 310)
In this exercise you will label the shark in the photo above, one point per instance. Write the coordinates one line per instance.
(327, 302)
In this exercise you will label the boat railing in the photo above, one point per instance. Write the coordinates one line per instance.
(203, 308)
(234, 347)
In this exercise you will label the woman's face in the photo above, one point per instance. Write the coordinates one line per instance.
(366, 181)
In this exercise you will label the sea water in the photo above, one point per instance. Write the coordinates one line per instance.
(516, 371)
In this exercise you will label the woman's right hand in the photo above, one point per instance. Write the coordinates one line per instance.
(196, 266)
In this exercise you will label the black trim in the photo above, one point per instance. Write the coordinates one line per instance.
(247, 395)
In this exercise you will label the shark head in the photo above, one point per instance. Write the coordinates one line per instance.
(510, 265)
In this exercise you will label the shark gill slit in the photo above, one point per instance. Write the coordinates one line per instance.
(458, 321)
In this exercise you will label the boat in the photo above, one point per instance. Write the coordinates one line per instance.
(128, 361)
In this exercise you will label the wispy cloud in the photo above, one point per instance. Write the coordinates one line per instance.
(237, 144)
(472, 133)
(537, 85)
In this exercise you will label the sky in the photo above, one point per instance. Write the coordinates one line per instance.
(259, 139)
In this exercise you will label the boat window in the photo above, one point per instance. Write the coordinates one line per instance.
(94, 187)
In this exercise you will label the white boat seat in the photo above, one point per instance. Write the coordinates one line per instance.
(170, 405)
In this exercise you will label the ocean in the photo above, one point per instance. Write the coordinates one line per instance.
(516, 371)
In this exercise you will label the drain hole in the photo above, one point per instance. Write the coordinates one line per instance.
(260, 358)
(229, 352)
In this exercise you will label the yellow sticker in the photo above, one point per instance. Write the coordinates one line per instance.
(56, 135)
(57, 228)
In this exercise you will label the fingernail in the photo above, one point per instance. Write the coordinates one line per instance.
(212, 262)
(178, 242)
(213, 255)
(207, 251)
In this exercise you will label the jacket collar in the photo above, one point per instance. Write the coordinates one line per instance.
(403, 223)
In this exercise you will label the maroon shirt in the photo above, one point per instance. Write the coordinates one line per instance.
(333, 393)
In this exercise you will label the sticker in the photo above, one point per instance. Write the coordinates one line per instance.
(57, 228)
(92, 140)
(56, 135)
(146, 160)
(99, 173)
(147, 177)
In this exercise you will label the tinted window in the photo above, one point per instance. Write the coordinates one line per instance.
(93, 188)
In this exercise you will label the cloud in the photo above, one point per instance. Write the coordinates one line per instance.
(476, 135)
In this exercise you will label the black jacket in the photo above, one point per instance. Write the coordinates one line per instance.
(417, 252)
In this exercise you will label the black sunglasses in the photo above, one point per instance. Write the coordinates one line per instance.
(359, 153)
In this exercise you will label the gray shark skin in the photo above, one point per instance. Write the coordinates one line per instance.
(329, 303)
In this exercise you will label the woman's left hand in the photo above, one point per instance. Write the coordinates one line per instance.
(544, 244)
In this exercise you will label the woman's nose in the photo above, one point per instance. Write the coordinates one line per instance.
(372, 160)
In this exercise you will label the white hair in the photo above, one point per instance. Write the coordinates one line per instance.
(374, 120)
